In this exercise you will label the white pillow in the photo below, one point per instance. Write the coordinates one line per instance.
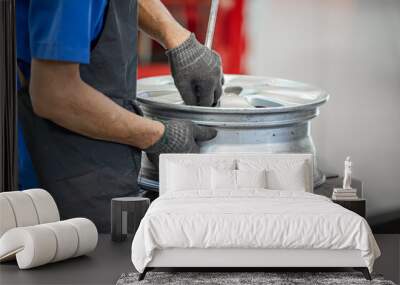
(282, 174)
(223, 179)
(251, 178)
(227, 180)
(182, 177)
(292, 177)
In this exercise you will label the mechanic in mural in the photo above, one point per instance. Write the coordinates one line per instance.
(82, 127)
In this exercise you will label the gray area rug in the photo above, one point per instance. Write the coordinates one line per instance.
(269, 278)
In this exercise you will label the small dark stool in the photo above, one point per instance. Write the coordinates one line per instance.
(126, 214)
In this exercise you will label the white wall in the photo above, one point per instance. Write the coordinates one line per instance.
(352, 49)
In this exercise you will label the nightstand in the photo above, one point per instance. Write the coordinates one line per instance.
(357, 206)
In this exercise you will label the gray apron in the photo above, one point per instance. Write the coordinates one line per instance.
(83, 174)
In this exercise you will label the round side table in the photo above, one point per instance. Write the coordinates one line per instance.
(126, 214)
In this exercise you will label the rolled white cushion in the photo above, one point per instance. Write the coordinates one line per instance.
(33, 246)
(26, 208)
(7, 218)
(23, 208)
(37, 245)
(67, 240)
(45, 205)
(87, 235)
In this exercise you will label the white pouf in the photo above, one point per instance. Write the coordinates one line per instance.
(23, 208)
(32, 233)
(7, 220)
(37, 245)
(45, 205)
(67, 240)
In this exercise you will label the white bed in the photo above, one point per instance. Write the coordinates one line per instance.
(202, 220)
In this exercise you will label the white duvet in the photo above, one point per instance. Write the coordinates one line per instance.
(250, 219)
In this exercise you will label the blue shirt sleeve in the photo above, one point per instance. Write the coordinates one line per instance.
(61, 29)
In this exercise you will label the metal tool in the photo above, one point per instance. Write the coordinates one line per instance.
(211, 23)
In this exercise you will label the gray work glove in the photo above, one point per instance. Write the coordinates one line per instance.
(180, 136)
(197, 72)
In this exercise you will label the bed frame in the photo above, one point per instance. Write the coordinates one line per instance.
(242, 259)
(250, 259)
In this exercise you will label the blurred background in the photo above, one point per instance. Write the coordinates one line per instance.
(351, 48)
(229, 38)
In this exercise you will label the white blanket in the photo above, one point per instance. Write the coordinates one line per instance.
(250, 219)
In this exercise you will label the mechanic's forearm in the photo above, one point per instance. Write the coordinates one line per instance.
(156, 21)
(80, 108)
